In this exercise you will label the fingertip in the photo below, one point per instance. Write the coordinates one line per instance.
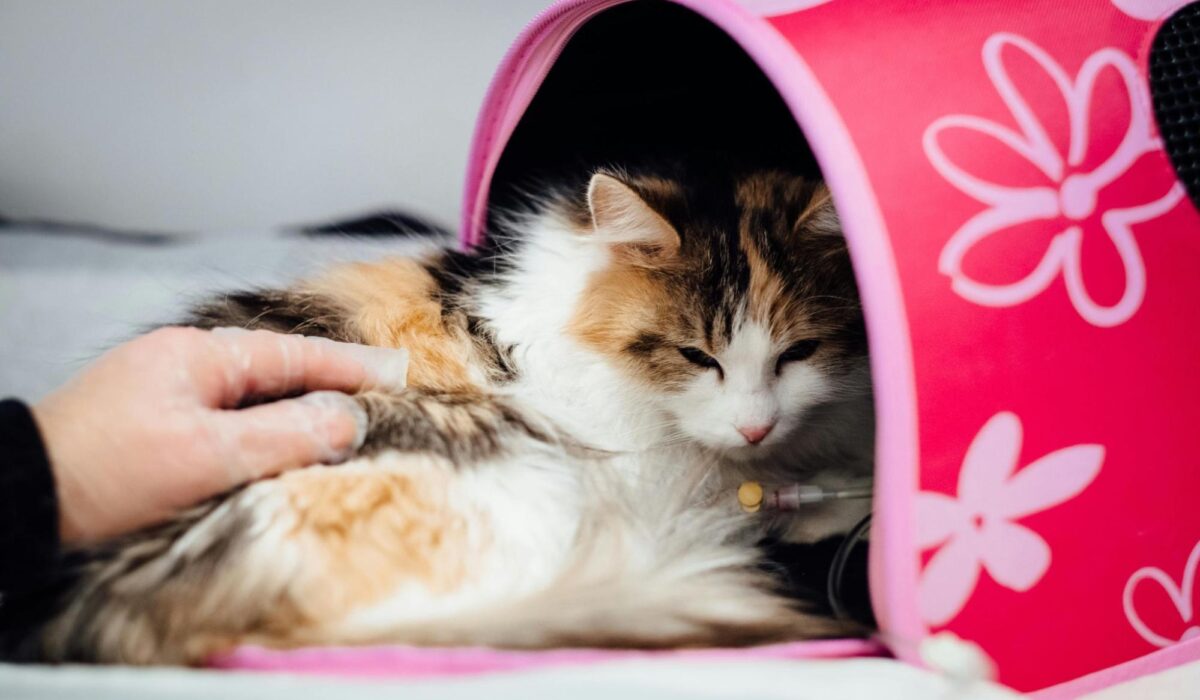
(272, 364)
(386, 368)
(323, 427)
(343, 420)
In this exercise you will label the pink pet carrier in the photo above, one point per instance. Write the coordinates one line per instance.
(1028, 259)
(1013, 179)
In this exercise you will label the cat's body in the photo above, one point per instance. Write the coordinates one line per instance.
(584, 398)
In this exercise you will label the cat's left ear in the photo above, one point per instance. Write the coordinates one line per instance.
(624, 220)
(820, 216)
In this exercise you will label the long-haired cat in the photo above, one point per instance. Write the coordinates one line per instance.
(585, 393)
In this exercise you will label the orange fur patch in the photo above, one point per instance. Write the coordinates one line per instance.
(373, 531)
(618, 303)
(624, 304)
(393, 304)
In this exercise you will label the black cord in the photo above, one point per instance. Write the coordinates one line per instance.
(837, 569)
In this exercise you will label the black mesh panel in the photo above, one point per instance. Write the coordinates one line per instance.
(1175, 87)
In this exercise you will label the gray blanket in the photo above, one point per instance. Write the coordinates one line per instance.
(67, 294)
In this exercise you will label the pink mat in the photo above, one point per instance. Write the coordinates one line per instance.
(414, 662)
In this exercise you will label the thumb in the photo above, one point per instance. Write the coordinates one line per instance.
(324, 427)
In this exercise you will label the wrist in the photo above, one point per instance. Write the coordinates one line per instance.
(70, 495)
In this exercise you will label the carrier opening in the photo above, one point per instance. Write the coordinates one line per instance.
(652, 80)
(649, 79)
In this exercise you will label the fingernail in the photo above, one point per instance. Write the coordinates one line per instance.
(343, 404)
(229, 331)
(388, 367)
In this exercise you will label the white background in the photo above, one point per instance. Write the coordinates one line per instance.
(241, 114)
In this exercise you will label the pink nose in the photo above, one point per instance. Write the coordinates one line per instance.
(755, 434)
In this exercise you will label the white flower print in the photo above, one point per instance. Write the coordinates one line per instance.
(1149, 9)
(1065, 194)
(976, 530)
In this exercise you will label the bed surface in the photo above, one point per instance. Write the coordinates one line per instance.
(633, 680)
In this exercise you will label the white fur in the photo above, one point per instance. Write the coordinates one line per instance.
(572, 550)
(712, 408)
(559, 377)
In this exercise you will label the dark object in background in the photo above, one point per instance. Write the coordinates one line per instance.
(382, 223)
(804, 573)
(92, 231)
(1175, 89)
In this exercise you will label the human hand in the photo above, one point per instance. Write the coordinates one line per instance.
(153, 426)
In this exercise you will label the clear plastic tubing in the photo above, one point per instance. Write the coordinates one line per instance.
(753, 496)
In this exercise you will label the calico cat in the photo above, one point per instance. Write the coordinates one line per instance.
(585, 393)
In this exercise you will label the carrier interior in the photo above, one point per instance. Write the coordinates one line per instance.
(653, 79)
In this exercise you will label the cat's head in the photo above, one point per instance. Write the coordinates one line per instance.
(729, 304)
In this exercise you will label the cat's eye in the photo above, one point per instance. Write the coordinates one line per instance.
(698, 357)
(798, 352)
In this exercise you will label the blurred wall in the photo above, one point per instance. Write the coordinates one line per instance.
(239, 114)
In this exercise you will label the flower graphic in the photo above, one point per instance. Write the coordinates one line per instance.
(976, 529)
(1063, 192)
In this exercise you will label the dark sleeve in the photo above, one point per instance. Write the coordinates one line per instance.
(28, 504)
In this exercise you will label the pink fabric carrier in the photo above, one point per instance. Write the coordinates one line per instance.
(1027, 259)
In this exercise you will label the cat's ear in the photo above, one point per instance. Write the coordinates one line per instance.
(624, 220)
(819, 216)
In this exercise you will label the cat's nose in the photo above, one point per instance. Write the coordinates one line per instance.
(755, 434)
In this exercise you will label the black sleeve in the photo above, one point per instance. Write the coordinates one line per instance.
(29, 535)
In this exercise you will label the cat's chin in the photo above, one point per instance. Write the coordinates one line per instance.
(736, 452)
(773, 449)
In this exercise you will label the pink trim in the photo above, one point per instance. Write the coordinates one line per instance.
(894, 562)
(1161, 660)
(414, 662)
(516, 82)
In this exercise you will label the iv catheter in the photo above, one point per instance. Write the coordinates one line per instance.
(752, 496)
